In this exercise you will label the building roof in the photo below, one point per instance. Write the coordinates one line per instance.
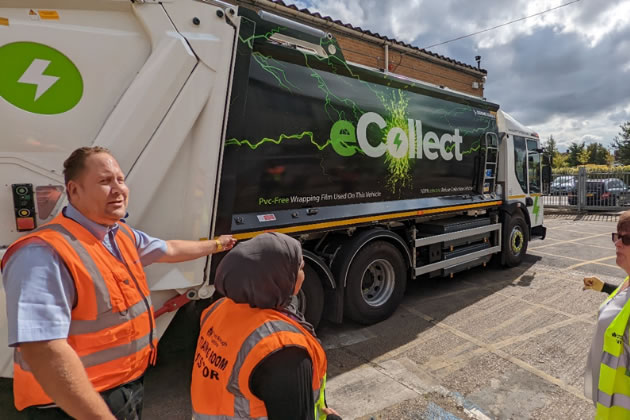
(377, 35)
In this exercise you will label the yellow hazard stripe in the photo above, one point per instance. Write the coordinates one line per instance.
(359, 220)
(516, 197)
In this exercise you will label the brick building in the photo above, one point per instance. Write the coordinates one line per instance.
(370, 49)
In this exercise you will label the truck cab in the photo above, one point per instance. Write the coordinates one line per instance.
(521, 178)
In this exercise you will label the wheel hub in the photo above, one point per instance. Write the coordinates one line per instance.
(377, 283)
(516, 240)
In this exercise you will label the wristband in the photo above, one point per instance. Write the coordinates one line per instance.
(219, 246)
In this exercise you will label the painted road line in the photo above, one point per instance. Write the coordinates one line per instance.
(571, 241)
(569, 258)
(590, 262)
(541, 374)
(365, 390)
(529, 303)
(402, 380)
(346, 338)
(557, 241)
(453, 364)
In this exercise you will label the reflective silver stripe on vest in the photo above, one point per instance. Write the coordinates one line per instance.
(618, 400)
(614, 362)
(117, 352)
(212, 309)
(241, 404)
(128, 234)
(99, 357)
(17, 359)
(197, 416)
(103, 302)
(107, 320)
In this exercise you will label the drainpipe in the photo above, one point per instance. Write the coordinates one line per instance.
(386, 58)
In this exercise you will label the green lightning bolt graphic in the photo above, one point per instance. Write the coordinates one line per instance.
(536, 209)
(398, 168)
(397, 141)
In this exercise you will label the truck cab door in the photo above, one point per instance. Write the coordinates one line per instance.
(546, 175)
(535, 183)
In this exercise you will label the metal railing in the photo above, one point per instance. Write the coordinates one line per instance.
(589, 191)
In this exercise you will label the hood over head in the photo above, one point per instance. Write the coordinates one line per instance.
(261, 272)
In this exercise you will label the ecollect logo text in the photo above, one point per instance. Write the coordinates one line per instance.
(343, 137)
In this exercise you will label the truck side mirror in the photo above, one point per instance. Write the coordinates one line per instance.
(546, 179)
(546, 174)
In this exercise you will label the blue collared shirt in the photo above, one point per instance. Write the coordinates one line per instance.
(40, 292)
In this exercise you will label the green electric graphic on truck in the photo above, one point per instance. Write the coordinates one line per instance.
(401, 125)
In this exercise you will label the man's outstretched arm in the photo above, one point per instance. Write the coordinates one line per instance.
(178, 251)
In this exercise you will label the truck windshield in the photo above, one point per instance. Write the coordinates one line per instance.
(520, 161)
(533, 162)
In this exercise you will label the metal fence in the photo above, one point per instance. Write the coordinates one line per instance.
(589, 191)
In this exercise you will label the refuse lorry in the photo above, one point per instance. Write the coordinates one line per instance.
(226, 120)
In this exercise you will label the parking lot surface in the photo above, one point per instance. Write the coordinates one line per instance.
(488, 343)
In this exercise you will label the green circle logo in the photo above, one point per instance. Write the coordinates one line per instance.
(39, 79)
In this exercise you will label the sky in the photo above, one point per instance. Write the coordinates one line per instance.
(564, 73)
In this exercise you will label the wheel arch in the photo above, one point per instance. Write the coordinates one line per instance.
(517, 209)
(348, 251)
(317, 264)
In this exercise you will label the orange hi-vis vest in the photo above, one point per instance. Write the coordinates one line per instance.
(112, 327)
(233, 340)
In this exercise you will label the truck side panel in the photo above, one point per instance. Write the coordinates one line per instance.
(307, 131)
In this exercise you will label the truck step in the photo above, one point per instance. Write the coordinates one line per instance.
(450, 225)
(465, 250)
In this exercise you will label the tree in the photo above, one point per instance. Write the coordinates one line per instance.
(551, 149)
(597, 154)
(621, 144)
(561, 160)
(575, 150)
(583, 157)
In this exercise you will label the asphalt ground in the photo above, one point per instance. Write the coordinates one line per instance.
(488, 343)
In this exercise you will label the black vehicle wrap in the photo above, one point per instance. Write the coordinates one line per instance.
(315, 138)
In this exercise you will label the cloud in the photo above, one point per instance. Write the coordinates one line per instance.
(564, 73)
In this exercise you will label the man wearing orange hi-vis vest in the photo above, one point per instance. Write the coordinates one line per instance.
(257, 357)
(79, 311)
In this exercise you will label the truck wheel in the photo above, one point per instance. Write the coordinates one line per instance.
(515, 241)
(376, 283)
(310, 298)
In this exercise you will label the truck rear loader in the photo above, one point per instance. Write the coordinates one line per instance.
(226, 120)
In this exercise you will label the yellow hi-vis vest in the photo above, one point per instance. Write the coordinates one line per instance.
(613, 396)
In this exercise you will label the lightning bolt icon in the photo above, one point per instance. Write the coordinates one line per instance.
(397, 141)
(34, 75)
(536, 209)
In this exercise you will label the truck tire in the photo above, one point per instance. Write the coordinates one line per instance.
(376, 283)
(515, 240)
(310, 298)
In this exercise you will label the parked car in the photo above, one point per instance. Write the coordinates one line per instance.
(562, 185)
(601, 192)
